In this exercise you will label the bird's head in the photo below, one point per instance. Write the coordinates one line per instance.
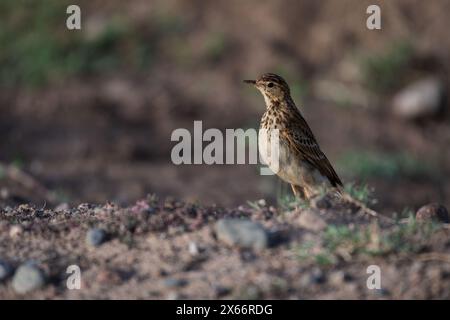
(272, 86)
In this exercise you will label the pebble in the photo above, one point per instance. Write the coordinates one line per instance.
(175, 283)
(95, 237)
(62, 207)
(5, 270)
(242, 233)
(433, 211)
(173, 296)
(15, 231)
(28, 277)
(381, 292)
(193, 248)
(220, 291)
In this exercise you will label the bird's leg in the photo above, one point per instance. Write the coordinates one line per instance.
(299, 194)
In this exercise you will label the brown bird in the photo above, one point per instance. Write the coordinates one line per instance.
(300, 161)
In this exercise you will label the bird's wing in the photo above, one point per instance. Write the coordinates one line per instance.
(302, 140)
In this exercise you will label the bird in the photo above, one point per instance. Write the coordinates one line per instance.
(298, 158)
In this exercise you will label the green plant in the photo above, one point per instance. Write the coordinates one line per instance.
(257, 205)
(342, 241)
(299, 87)
(336, 236)
(289, 203)
(216, 45)
(369, 164)
(362, 193)
(37, 49)
(382, 72)
(325, 259)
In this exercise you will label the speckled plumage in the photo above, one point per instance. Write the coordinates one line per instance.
(301, 161)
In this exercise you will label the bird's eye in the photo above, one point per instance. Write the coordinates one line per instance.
(270, 84)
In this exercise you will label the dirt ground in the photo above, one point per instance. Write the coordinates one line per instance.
(170, 250)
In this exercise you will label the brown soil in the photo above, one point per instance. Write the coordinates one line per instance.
(148, 248)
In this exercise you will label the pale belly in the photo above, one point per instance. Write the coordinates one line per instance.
(288, 167)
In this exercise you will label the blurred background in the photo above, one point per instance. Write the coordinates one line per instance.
(86, 116)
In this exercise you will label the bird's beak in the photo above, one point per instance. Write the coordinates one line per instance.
(250, 82)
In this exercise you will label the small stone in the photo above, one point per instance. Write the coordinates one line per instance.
(242, 233)
(62, 207)
(220, 291)
(381, 292)
(433, 211)
(27, 278)
(173, 296)
(95, 237)
(15, 231)
(420, 99)
(310, 220)
(193, 248)
(317, 276)
(5, 270)
(175, 283)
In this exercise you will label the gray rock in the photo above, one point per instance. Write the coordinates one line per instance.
(220, 291)
(174, 282)
(5, 270)
(28, 277)
(242, 233)
(95, 237)
(420, 99)
(381, 292)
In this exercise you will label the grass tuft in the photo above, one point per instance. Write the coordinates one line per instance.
(382, 72)
(365, 165)
(362, 193)
(37, 48)
(345, 242)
